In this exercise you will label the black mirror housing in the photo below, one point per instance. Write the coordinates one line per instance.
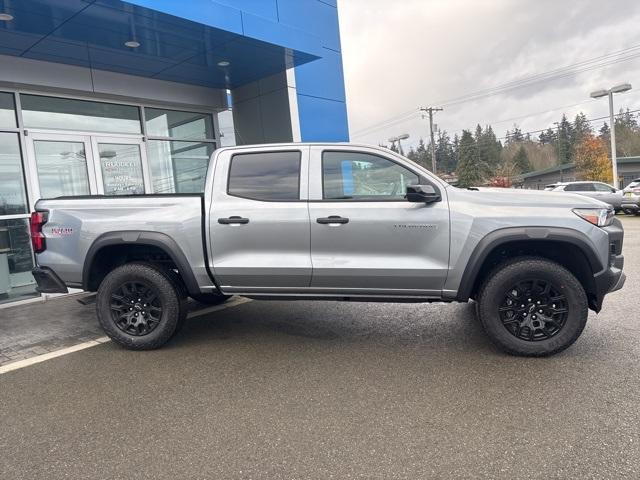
(423, 194)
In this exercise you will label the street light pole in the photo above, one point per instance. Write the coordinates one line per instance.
(623, 87)
(612, 134)
(393, 141)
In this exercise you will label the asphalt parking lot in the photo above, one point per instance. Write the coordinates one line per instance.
(335, 390)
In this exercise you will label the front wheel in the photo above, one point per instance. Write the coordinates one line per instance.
(139, 306)
(532, 307)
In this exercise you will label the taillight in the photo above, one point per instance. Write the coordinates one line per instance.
(38, 242)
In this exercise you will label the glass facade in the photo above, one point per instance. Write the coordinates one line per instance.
(177, 166)
(7, 111)
(81, 115)
(62, 168)
(72, 147)
(13, 199)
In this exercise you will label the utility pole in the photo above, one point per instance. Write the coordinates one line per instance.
(430, 111)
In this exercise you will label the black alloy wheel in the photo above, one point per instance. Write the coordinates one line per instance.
(136, 308)
(534, 310)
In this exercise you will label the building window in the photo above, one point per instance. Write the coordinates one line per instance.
(175, 124)
(13, 200)
(360, 176)
(179, 147)
(16, 261)
(7, 111)
(265, 176)
(81, 115)
(177, 166)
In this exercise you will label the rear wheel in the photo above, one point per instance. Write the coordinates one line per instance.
(139, 306)
(532, 307)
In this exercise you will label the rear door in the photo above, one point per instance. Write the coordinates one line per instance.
(259, 220)
(366, 238)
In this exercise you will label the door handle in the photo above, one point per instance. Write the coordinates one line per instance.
(235, 220)
(332, 219)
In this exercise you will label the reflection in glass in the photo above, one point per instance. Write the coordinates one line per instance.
(82, 115)
(12, 195)
(178, 167)
(265, 176)
(62, 168)
(16, 261)
(175, 124)
(7, 110)
(360, 176)
(121, 169)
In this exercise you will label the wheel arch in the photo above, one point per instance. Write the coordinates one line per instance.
(562, 245)
(131, 246)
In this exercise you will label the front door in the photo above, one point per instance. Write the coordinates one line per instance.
(366, 238)
(259, 221)
(74, 165)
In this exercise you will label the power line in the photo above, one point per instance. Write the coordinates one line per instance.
(561, 72)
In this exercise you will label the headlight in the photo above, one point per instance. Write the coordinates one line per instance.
(600, 217)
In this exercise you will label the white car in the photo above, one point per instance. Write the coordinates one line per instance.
(598, 190)
(631, 198)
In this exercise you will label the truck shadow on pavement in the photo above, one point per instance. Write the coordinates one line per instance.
(429, 325)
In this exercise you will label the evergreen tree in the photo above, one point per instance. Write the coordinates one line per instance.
(563, 144)
(521, 160)
(445, 154)
(471, 171)
(581, 130)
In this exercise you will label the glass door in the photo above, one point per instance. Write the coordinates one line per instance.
(120, 166)
(63, 165)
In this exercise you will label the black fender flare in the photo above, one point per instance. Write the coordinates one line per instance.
(134, 237)
(511, 234)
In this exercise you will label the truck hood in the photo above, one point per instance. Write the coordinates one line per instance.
(530, 198)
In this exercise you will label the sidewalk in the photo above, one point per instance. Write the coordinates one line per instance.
(35, 329)
(43, 327)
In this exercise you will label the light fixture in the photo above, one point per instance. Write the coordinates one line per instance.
(224, 63)
(132, 44)
(5, 17)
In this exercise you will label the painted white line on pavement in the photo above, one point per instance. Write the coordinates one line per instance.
(234, 302)
(48, 356)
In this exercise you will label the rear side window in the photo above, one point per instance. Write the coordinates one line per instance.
(580, 187)
(601, 187)
(271, 177)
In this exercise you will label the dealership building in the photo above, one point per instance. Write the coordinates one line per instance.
(112, 97)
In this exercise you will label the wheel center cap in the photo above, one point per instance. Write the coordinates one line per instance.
(137, 307)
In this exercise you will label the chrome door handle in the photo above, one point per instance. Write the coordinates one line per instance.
(235, 220)
(332, 219)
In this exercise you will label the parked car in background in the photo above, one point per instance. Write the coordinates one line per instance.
(598, 190)
(631, 198)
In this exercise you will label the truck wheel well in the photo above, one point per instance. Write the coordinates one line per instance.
(111, 256)
(566, 254)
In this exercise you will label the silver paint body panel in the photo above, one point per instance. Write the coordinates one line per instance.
(388, 248)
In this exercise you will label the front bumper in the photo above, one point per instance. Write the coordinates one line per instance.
(48, 281)
(611, 278)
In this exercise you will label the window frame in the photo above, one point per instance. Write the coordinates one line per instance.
(300, 159)
(421, 178)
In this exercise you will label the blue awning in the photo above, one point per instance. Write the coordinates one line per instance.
(197, 42)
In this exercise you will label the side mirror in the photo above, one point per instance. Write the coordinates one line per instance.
(423, 194)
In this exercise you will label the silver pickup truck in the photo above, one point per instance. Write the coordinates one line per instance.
(334, 222)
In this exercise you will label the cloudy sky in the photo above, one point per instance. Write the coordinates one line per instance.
(402, 54)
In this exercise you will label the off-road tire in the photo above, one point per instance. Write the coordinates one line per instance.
(211, 298)
(169, 295)
(498, 284)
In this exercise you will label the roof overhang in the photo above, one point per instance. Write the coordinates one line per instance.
(189, 41)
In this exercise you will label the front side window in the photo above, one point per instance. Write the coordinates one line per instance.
(271, 176)
(601, 187)
(362, 176)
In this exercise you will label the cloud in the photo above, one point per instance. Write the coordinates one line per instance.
(401, 55)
